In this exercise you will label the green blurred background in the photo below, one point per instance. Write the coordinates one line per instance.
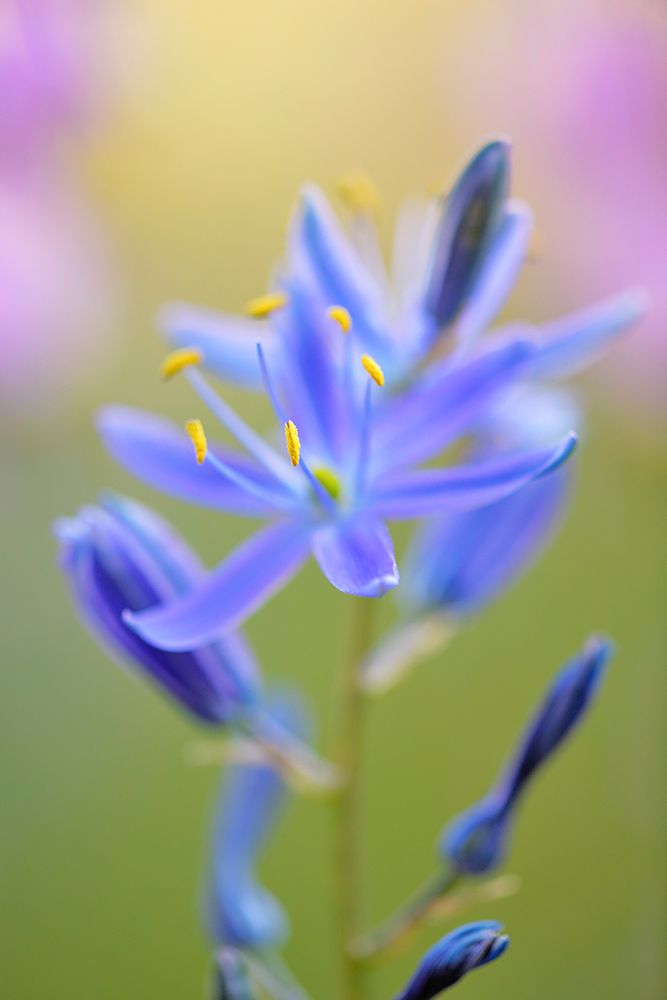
(226, 108)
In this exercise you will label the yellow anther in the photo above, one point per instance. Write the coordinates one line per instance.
(373, 369)
(358, 193)
(175, 362)
(292, 442)
(196, 434)
(341, 316)
(263, 306)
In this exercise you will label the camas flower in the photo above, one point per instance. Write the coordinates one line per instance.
(241, 913)
(121, 555)
(454, 261)
(356, 452)
(464, 949)
(351, 465)
(476, 842)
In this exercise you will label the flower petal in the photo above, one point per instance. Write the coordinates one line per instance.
(314, 387)
(320, 249)
(497, 273)
(227, 342)
(446, 404)
(160, 454)
(228, 594)
(569, 344)
(465, 487)
(460, 560)
(357, 556)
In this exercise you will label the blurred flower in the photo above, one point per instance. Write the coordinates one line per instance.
(45, 73)
(460, 560)
(120, 555)
(54, 295)
(242, 913)
(455, 260)
(448, 961)
(55, 289)
(592, 144)
(476, 842)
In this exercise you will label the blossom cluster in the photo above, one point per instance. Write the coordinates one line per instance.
(372, 374)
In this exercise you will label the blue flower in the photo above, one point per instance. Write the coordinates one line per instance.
(240, 911)
(464, 949)
(477, 841)
(121, 555)
(349, 464)
(454, 262)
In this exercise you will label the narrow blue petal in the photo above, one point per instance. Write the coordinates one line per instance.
(466, 487)
(496, 276)
(470, 216)
(311, 350)
(160, 454)
(357, 556)
(227, 342)
(228, 594)
(572, 343)
(445, 404)
(461, 560)
(320, 249)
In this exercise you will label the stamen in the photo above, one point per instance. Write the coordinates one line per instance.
(358, 193)
(177, 360)
(373, 369)
(196, 434)
(341, 316)
(251, 441)
(292, 442)
(264, 305)
(292, 435)
(364, 439)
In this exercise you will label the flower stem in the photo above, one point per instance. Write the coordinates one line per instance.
(348, 855)
(398, 928)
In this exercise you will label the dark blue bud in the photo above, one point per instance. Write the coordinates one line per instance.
(470, 216)
(120, 555)
(476, 841)
(466, 948)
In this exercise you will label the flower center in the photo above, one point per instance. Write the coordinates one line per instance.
(329, 480)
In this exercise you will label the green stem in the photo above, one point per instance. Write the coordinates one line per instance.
(407, 919)
(348, 858)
